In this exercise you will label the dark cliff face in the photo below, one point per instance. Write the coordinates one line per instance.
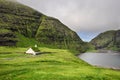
(20, 19)
(108, 39)
(7, 37)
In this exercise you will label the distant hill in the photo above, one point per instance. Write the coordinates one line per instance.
(117, 39)
(107, 40)
(23, 26)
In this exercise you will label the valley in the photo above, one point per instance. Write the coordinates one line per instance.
(22, 27)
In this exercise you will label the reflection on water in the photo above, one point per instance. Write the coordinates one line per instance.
(102, 59)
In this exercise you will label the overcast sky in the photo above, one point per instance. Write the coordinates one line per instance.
(87, 17)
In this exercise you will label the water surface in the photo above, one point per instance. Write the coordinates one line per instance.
(107, 60)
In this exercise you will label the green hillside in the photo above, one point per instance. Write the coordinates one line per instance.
(117, 39)
(52, 64)
(17, 19)
(107, 40)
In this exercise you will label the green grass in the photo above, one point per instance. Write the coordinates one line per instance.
(92, 50)
(25, 42)
(52, 64)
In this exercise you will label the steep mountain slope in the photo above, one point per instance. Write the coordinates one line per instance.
(117, 39)
(108, 39)
(17, 20)
(52, 31)
(15, 17)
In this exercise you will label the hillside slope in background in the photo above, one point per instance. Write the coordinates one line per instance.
(108, 40)
(19, 23)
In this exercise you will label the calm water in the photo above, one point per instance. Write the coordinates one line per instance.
(111, 60)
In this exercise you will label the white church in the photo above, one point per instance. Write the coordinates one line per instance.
(31, 51)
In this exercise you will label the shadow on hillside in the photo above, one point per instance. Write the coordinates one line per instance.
(5, 52)
(45, 53)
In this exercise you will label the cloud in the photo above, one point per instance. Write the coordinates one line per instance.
(86, 16)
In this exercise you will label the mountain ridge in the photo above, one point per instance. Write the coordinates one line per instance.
(108, 40)
(24, 22)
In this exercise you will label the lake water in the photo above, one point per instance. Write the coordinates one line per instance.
(107, 60)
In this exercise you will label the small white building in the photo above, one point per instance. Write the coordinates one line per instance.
(31, 51)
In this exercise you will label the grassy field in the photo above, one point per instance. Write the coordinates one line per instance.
(52, 64)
